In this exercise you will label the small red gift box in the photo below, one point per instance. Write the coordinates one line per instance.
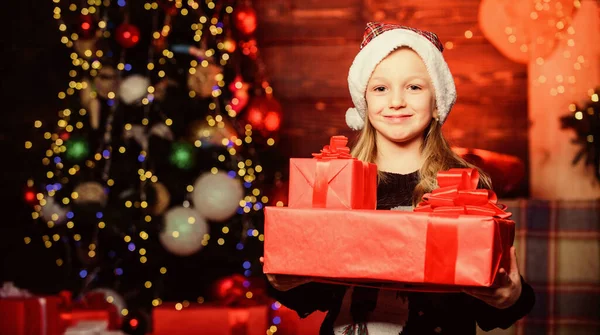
(72, 317)
(30, 316)
(458, 237)
(333, 179)
(93, 307)
(210, 320)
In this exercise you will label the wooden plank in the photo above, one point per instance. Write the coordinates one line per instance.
(347, 25)
(315, 115)
(332, 33)
(481, 57)
(282, 6)
(301, 21)
(373, 5)
(303, 71)
(449, 12)
(491, 92)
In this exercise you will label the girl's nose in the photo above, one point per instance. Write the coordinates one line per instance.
(397, 99)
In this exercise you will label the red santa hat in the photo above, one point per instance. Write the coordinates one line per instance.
(379, 40)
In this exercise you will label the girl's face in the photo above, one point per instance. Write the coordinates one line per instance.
(400, 98)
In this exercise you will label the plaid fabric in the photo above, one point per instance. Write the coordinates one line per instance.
(375, 29)
(558, 247)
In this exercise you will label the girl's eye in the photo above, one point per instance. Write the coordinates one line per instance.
(414, 87)
(379, 89)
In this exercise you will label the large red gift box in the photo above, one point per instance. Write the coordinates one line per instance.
(210, 320)
(332, 179)
(457, 237)
(30, 316)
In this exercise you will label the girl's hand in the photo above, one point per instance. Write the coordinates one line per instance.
(508, 291)
(285, 282)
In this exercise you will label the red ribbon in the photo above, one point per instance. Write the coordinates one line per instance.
(238, 320)
(441, 250)
(457, 194)
(336, 149)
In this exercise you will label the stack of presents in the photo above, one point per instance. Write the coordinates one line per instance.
(457, 236)
(22, 313)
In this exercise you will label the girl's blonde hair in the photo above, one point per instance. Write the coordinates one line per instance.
(436, 150)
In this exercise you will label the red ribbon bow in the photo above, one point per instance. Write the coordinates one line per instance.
(458, 194)
(336, 149)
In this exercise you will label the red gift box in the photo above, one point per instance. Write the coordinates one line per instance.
(210, 320)
(458, 237)
(333, 179)
(94, 307)
(30, 316)
(72, 317)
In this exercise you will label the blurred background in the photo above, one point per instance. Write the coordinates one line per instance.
(123, 119)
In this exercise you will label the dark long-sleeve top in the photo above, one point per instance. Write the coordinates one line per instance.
(429, 313)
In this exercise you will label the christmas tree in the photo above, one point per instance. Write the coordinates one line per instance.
(153, 179)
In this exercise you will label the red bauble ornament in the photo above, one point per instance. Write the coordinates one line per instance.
(240, 94)
(272, 121)
(249, 48)
(264, 113)
(128, 35)
(230, 290)
(245, 19)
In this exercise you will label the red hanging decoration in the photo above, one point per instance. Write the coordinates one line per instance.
(239, 88)
(245, 19)
(128, 35)
(264, 113)
(230, 290)
(249, 48)
(272, 121)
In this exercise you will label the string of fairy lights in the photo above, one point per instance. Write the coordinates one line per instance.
(86, 65)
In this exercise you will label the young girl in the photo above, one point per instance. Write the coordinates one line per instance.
(403, 90)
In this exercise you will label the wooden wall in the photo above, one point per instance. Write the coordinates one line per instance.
(308, 46)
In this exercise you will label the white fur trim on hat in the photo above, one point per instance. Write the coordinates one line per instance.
(380, 47)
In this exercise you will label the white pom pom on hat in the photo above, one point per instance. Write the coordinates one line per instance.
(354, 120)
(379, 40)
